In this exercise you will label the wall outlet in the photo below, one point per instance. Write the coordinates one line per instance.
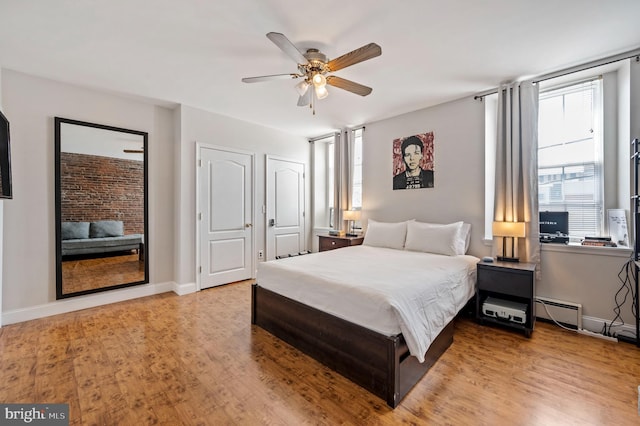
(260, 254)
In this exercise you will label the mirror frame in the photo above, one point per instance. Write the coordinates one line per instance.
(58, 207)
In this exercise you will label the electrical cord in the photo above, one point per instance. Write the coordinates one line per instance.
(576, 330)
(544, 305)
(627, 276)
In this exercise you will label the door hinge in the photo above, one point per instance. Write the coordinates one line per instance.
(199, 163)
(200, 269)
(199, 216)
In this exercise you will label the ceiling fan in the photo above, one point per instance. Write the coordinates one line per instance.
(313, 67)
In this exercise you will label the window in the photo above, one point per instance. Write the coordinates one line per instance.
(337, 179)
(324, 177)
(583, 141)
(570, 153)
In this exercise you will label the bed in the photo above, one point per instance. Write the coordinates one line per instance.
(380, 314)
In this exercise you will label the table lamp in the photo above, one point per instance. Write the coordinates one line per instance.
(506, 230)
(351, 216)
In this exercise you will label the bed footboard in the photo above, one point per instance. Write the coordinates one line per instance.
(381, 364)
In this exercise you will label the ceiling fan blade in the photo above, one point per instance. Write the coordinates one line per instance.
(305, 99)
(349, 85)
(287, 47)
(269, 77)
(368, 51)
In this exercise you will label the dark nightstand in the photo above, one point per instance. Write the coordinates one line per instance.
(328, 242)
(513, 282)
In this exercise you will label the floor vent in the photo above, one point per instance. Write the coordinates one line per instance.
(566, 313)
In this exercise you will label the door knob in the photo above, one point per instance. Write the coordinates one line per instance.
(272, 222)
(247, 225)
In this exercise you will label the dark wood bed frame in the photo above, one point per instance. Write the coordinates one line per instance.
(381, 364)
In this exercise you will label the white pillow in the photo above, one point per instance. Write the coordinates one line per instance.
(466, 233)
(436, 238)
(383, 234)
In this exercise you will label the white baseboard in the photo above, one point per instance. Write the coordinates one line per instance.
(570, 313)
(182, 289)
(83, 302)
(597, 324)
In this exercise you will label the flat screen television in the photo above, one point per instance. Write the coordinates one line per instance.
(554, 223)
(5, 158)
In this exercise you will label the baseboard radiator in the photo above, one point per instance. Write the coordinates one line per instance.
(566, 313)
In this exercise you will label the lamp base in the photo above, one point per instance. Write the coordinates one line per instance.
(508, 259)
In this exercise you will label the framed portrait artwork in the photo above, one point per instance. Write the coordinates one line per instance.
(413, 162)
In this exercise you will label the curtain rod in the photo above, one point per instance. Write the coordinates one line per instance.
(317, 138)
(593, 64)
(351, 129)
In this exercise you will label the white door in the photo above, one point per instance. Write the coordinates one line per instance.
(285, 207)
(225, 203)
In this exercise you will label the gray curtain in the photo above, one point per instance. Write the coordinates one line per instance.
(516, 184)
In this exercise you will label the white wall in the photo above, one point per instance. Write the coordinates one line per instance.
(625, 175)
(458, 192)
(611, 144)
(586, 276)
(212, 129)
(31, 103)
(29, 233)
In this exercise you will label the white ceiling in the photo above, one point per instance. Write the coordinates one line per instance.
(195, 52)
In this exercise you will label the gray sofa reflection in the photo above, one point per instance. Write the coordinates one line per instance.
(103, 236)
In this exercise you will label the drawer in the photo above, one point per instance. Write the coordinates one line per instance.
(509, 282)
(332, 243)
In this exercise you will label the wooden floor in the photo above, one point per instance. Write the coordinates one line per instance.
(82, 274)
(197, 360)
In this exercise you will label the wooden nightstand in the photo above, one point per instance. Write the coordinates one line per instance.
(328, 242)
(509, 281)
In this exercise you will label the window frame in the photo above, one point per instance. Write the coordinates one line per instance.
(323, 169)
(589, 209)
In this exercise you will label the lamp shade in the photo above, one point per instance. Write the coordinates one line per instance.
(321, 92)
(302, 87)
(319, 80)
(351, 214)
(508, 229)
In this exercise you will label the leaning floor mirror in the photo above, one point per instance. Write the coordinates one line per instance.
(101, 208)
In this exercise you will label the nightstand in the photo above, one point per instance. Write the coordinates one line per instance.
(328, 242)
(512, 282)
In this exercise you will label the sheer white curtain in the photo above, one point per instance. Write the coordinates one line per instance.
(516, 174)
(341, 181)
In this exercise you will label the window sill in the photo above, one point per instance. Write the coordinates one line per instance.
(577, 248)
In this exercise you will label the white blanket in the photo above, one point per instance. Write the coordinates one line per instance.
(386, 290)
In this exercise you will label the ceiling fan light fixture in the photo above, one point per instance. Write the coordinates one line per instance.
(321, 92)
(319, 80)
(302, 87)
(313, 66)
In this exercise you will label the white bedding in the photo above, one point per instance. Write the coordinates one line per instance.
(385, 290)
